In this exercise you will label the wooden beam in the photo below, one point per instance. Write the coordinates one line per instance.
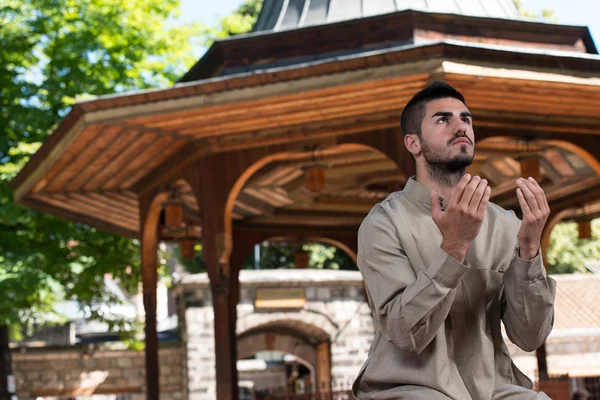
(69, 130)
(257, 207)
(140, 164)
(166, 171)
(266, 231)
(150, 211)
(58, 209)
(213, 196)
(324, 366)
(87, 136)
(82, 159)
(285, 136)
(291, 218)
(103, 158)
(317, 110)
(152, 164)
(287, 105)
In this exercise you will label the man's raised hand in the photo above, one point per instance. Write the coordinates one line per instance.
(464, 214)
(535, 213)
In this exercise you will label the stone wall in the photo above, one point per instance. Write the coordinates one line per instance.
(78, 370)
(335, 311)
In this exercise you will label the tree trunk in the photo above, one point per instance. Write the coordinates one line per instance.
(7, 379)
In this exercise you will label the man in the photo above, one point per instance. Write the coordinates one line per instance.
(443, 267)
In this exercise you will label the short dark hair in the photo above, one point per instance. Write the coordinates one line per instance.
(414, 111)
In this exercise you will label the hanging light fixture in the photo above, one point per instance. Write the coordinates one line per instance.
(530, 167)
(314, 174)
(314, 178)
(301, 256)
(173, 212)
(187, 248)
(530, 162)
(585, 229)
(187, 243)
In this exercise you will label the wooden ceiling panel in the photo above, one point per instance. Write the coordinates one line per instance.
(115, 200)
(102, 159)
(124, 155)
(278, 176)
(102, 207)
(300, 117)
(530, 102)
(285, 104)
(147, 147)
(101, 141)
(128, 221)
(88, 135)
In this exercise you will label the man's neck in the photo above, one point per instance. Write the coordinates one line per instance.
(435, 185)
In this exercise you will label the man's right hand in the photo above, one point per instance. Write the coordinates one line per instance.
(464, 214)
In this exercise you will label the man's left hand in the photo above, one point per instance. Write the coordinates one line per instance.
(535, 213)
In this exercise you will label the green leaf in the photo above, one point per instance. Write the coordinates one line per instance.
(53, 53)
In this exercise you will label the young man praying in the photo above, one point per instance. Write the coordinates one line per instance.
(443, 267)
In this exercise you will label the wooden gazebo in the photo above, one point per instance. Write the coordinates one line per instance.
(293, 131)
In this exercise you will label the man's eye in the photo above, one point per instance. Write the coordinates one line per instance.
(467, 120)
(443, 120)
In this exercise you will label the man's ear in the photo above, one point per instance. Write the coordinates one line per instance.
(412, 143)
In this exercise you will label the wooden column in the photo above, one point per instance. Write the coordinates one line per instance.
(7, 379)
(324, 366)
(540, 353)
(212, 187)
(150, 209)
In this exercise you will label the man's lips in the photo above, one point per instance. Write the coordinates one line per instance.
(461, 141)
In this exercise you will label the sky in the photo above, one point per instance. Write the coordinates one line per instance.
(572, 12)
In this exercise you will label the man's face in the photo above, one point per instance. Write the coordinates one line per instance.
(447, 134)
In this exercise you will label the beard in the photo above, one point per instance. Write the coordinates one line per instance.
(446, 171)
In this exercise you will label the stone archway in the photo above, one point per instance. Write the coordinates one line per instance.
(304, 341)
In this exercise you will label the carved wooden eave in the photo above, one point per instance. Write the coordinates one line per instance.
(110, 151)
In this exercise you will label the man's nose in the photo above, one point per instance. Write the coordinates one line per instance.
(460, 129)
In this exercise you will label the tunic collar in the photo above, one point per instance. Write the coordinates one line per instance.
(420, 194)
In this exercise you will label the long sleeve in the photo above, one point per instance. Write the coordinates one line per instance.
(409, 307)
(528, 302)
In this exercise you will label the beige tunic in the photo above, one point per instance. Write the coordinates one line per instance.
(437, 321)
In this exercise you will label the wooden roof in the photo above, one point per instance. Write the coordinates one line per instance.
(258, 51)
(280, 15)
(110, 151)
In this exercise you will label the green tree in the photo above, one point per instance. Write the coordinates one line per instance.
(240, 21)
(567, 253)
(276, 255)
(52, 53)
(546, 15)
(272, 255)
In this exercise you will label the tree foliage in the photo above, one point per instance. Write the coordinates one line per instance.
(546, 15)
(278, 255)
(240, 21)
(52, 53)
(568, 254)
(272, 255)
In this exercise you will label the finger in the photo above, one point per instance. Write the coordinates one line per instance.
(436, 208)
(478, 195)
(457, 193)
(537, 192)
(468, 192)
(523, 203)
(484, 200)
(529, 196)
(540, 195)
